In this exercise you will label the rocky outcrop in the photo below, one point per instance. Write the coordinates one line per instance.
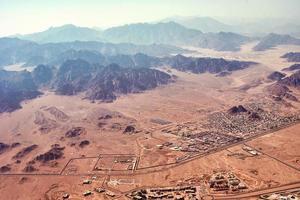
(292, 56)
(25, 151)
(45, 124)
(15, 144)
(14, 88)
(290, 97)
(56, 152)
(280, 91)
(237, 109)
(254, 116)
(202, 65)
(29, 168)
(292, 67)
(5, 168)
(43, 74)
(223, 74)
(129, 129)
(84, 143)
(73, 77)
(3, 147)
(74, 132)
(113, 80)
(58, 114)
(276, 76)
(293, 80)
(106, 83)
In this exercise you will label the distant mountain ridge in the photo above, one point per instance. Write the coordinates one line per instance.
(272, 40)
(166, 33)
(146, 33)
(248, 27)
(222, 41)
(13, 50)
(174, 33)
(204, 24)
(205, 64)
(65, 33)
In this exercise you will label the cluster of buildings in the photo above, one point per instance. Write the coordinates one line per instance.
(91, 192)
(288, 195)
(177, 193)
(205, 141)
(245, 125)
(227, 182)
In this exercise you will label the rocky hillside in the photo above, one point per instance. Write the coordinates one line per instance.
(272, 40)
(293, 80)
(14, 88)
(276, 76)
(202, 65)
(95, 81)
(281, 89)
(113, 80)
(73, 77)
(105, 83)
(292, 56)
(43, 74)
(222, 41)
(292, 67)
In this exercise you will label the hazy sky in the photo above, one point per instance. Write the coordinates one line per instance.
(25, 16)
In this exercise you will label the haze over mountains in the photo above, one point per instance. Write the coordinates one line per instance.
(101, 63)
(256, 28)
(68, 32)
(203, 32)
(169, 33)
(14, 50)
(205, 24)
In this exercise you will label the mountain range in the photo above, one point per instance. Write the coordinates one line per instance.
(97, 82)
(146, 33)
(204, 32)
(167, 33)
(260, 27)
(205, 24)
(13, 51)
(272, 40)
(105, 80)
(68, 32)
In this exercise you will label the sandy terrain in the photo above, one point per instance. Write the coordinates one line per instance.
(45, 121)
